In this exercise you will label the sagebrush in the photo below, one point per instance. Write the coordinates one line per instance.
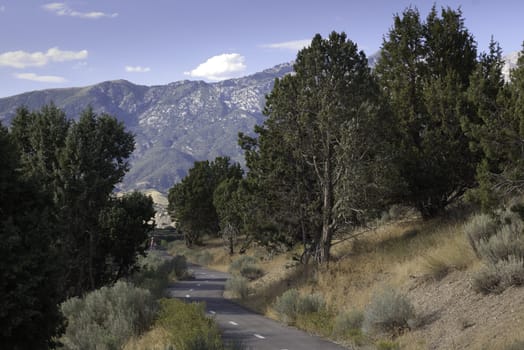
(107, 317)
(389, 312)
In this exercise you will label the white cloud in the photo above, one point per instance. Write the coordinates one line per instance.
(294, 45)
(224, 66)
(22, 59)
(40, 78)
(61, 9)
(137, 69)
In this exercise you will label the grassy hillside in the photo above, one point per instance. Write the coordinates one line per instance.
(431, 264)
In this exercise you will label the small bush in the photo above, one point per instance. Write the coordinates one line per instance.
(188, 326)
(238, 286)
(290, 305)
(286, 305)
(508, 241)
(310, 303)
(479, 227)
(319, 322)
(106, 318)
(242, 261)
(388, 312)
(251, 272)
(495, 278)
(156, 271)
(348, 323)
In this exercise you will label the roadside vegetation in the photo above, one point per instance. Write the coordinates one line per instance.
(379, 207)
(384, 206)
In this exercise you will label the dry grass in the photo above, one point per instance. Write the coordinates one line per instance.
(431, 261)
(155, 339)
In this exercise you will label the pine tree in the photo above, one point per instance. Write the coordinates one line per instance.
(303, 150)
(424, 70)
(191, 200)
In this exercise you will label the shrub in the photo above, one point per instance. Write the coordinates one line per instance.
(251, 271)
(238, 286)
(388, 312)
(479, 227)
(156, 271)
(188, 326)
(508, 241)
(286, 305)
(348, 323)
(310, 303)
(290, 305)
(244, 260)
(495, 278)
(107, 317)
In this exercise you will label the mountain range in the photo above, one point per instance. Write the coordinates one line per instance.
(174, 124)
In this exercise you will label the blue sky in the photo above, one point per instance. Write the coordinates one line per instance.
(47, 44)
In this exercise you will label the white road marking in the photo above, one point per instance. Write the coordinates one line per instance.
(233, 323)
(212, 312)
(259, 336)
(188, 296)
(198, 285)
(191, 290)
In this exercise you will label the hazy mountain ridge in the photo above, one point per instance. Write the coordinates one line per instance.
(174, 124)
(177, 123)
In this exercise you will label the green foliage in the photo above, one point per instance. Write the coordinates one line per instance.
(507, 242)
(499, 242)
(348, 324)
(291, 305)
(29, 273)
(320, 121)
(251, 271)
(497, 277)
(388, 312)
(156, 271)
(106, 318)
(238, 286)
(387, 345)
(191, 200)
(188, 326)
(227, 200)
(500, 130)
(478, 228)
(424, 70)
(240, 262)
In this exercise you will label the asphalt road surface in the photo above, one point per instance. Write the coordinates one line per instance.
(239, 324)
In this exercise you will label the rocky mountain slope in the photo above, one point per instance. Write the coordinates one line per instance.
(174, 124)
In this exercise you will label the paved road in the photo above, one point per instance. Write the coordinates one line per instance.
(252, 330)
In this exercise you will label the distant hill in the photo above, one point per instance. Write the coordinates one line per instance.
(174, 124)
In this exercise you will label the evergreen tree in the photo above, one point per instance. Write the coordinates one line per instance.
(29, 268)
(424, 70)
(191, 200)
(303, 145)
(92, 161)
(500, 133)
(487, 96)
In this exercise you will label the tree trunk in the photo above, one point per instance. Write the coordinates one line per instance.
(327, 209)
